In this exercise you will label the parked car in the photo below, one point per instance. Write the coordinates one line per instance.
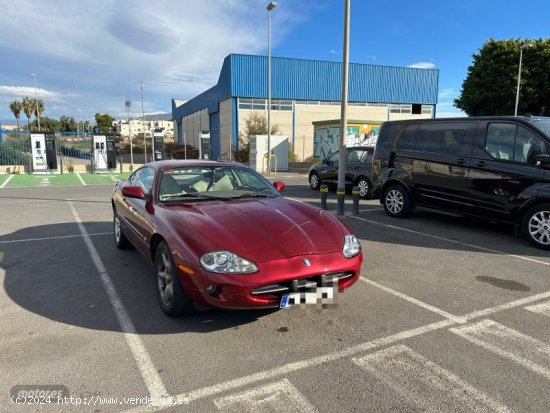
(496, 168)
(358, 170)
(221, 235)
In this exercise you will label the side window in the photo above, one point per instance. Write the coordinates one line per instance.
(527, 144)
(447, 138)
(354, 155)
(367, 156)
(512, 142)
(334, 157)
(143, 178)
(406, 139)
(500, 140)
(388, 131)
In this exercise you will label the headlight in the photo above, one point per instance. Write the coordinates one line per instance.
(226, 262)
(351, 246)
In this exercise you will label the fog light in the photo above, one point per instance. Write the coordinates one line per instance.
(211, 289)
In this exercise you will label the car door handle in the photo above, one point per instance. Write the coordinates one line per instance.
(460, 160)
(481, 163)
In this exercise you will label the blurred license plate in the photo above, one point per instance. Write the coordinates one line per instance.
(321, 295)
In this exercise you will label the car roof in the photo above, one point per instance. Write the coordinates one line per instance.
(472, 118)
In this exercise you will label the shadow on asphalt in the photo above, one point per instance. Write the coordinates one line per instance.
(56, 279)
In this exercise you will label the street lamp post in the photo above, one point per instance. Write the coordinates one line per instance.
(36, 100)
(269, 7)
(522, 47)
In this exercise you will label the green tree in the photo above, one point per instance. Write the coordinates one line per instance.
(16, 108)
(28, 109)
(39, 108)
(104, 122)
(255, 124)
(491, 83)
(47, 124)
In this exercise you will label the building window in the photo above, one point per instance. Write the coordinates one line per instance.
(416, 109)
(426, 109)
(397, 108)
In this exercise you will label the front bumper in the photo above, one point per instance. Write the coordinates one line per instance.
(274, 279)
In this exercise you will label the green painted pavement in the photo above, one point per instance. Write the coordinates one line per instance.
(67, 179)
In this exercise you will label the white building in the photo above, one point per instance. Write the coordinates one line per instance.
(138, 127)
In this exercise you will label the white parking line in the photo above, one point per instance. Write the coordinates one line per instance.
(80, 178)
(527, 351)
(438, 311)
(330, 357)
(50, 238)
(280, 396)
(543, 308)
(148, 371)
(450, 240)
(6, 181)
(424, 385)
(507, 306)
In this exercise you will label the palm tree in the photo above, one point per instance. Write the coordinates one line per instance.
(28, 107)
(39, 108)
(16, 108)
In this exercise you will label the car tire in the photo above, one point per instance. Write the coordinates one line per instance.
(121, 241)
(397, 201)
(365, 187)
(314, 181)
(536, 226)
(173, 299)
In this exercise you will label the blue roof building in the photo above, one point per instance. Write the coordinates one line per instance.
(302, 91)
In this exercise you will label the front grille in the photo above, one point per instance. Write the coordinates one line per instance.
(302, 284)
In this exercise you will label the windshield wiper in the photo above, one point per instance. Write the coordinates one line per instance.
(261, 194)
(166, 197)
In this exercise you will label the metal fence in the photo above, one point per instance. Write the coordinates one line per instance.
(73, 150)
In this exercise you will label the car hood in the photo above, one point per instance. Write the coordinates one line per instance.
(257, 229)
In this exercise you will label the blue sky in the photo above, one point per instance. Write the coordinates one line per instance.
(94, 54)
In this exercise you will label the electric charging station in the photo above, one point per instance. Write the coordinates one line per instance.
(44, 156)
(104, 153)
(204, 145)
(159, 148)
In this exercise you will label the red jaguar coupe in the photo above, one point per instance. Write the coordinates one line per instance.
(221, 235)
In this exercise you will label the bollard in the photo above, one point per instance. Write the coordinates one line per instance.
(340, 197)
(324, 194)
(356, 193)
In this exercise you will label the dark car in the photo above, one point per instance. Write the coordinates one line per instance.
(495, 168)
(358, 170)
(221, 235)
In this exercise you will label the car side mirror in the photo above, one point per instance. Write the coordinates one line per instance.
(279, 186)
(542, 160)
(130, 191)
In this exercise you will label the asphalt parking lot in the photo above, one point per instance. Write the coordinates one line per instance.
(450, 314)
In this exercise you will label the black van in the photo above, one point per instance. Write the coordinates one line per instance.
(496, 168)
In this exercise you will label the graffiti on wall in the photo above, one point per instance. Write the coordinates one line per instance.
(326, 137)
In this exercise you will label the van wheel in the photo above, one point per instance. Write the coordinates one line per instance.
(536, 226)
(314, 181)
(397, 201)
(365, 188)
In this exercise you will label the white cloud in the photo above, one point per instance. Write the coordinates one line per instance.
(107, 47)
(423, 65)
(333, 51)
(27, 91)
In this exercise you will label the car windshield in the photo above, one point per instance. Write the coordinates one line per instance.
(543, 125)
(209, 182)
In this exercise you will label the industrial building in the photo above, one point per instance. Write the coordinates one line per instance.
(302, 92)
